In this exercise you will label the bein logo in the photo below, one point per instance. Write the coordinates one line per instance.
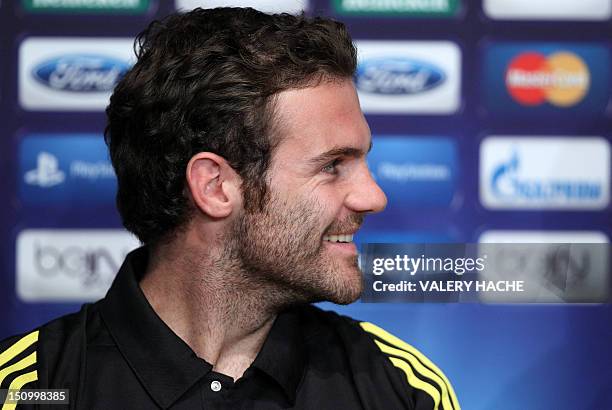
(91, 265)
(64, 265)
(81, 73)
(397, 76)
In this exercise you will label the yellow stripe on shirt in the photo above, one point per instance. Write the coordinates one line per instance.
(17, 384)
(18, 347)
(415, 382)
(400, 344)
(420, 369)
(20, 365)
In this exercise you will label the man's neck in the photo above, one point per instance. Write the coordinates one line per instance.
(215, 310)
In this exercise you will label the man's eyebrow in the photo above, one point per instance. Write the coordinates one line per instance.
(338, 152)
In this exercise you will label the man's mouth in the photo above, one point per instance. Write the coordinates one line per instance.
(346, 238)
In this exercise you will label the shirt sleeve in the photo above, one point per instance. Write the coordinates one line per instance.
(18, 365)
(432, 389)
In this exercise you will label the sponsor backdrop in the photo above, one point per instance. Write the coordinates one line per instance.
(491, 122)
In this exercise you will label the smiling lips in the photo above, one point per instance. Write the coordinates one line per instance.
(339, 238)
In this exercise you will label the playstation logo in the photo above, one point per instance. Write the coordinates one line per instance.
(47, 173)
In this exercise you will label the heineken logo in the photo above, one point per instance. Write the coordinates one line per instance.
(86, 6)
(403, 7)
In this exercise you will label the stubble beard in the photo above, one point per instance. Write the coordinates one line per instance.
(279, 251)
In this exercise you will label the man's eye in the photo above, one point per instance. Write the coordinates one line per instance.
(331, 167)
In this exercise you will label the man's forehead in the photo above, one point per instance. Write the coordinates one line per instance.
(318, 119)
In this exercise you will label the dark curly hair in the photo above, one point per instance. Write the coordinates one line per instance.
(205, 81)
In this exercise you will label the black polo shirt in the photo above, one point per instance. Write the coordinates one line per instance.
(118, 354)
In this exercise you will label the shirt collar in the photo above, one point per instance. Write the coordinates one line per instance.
(283, 356)
(164, 363)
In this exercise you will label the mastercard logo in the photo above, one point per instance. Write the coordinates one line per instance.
(561, 79)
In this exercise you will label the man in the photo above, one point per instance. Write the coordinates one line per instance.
(239, 148)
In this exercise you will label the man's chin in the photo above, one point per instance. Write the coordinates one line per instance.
(347, 289)
(345, 300)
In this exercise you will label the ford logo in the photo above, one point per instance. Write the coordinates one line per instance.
(81, 72)
(397, 76)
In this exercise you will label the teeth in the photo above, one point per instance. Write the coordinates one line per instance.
(338, 238)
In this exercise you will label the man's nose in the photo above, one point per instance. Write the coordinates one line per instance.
(366, 195)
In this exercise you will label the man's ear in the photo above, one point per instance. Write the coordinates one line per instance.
(213, 184)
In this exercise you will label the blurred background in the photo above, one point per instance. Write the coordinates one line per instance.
(491, 122)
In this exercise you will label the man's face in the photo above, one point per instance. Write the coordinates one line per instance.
(320, 190)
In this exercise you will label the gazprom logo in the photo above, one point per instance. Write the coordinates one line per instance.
(81, 72)
(552, 172)
(507, 183)
(397, 76)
